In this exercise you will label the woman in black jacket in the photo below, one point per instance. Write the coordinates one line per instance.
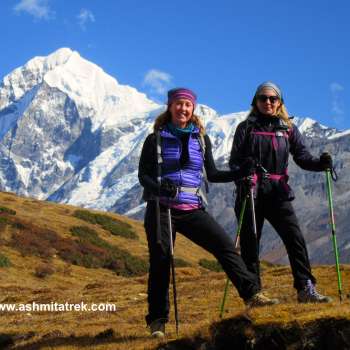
(267, 137)
(181, 150)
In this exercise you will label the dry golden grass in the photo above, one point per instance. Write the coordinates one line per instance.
(199, 292)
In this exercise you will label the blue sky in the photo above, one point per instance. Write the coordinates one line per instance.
(222, 49)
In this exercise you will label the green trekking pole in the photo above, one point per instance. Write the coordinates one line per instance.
(334, 238)
(240, 222)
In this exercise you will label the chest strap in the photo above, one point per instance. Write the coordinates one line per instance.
(273, 135)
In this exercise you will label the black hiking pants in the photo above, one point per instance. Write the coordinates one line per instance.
(198, 226)
(282, 217)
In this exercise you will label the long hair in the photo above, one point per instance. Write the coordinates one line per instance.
(165, 118)
(282, 113)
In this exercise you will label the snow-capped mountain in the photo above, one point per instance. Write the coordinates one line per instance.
(71, 133)
(58, 114)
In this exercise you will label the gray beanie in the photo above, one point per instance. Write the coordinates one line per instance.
(269, 85)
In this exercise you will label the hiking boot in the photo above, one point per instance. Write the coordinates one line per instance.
(157, 328)
(260, 299)
(309, 294)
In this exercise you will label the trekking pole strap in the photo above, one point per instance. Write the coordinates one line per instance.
(334, 174)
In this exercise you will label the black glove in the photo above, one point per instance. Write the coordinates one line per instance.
(326, 161)
(248, 167)
(167, 188)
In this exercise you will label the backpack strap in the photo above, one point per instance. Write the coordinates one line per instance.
(159, 174)
(205, 177)
(159, 157)
(273, 135)
(203, 146)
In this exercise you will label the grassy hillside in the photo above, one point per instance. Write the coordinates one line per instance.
(59, 253)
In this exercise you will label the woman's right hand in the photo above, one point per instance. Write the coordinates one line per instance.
(248, 167)
(168, 188)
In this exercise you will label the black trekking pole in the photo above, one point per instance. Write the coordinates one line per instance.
(240, 222)
(172, 263)
(332, 222)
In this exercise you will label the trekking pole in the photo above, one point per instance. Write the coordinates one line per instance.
(252, 207)
(240, 222)
(334, 238)
(173, 271)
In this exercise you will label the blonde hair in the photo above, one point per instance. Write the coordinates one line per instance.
(282, 113)
(165, 118)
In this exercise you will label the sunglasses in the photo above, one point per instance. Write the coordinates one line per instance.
(264, 98)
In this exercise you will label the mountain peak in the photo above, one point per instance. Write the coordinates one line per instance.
(56, 58)
(96, 94)
(63, 52)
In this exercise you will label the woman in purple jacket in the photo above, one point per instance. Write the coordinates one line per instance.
(267, 137)
(184, 155)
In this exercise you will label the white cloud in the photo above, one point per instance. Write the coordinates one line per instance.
(37, 8)
(336, 87)
(157, 80)
(84, 17)
(338, 108)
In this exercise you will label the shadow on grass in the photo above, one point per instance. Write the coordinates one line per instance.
(54, 339)
(241, 333)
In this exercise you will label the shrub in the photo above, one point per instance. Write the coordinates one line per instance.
(88, 234)
(4, 261)
(18, 225)
(114, 226)
(35, 241)
(88, 250)
(118, 228)
(6, 210)
(43, 271)
(132, 265)
(181, 262)
(4, 221)
(86, 216)
(106, 255)
(82, 253)
(10, 221)
(211, 265)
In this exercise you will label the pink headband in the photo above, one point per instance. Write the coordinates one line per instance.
(178, 93)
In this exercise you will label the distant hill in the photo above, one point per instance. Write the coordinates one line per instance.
(37, 231)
